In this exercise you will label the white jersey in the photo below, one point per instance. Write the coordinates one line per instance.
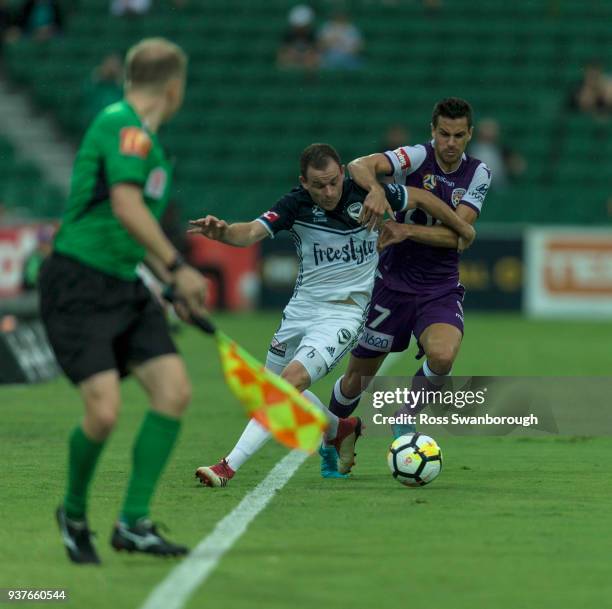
(337, 255)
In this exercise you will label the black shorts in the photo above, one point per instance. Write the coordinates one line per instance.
(96, 322)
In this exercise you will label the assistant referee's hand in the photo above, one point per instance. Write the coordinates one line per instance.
(190, 286)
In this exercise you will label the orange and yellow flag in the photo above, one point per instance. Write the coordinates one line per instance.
(269, 399)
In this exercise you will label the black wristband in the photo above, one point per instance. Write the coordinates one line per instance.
(176, 264)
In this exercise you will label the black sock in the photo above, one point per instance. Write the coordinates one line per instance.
(339, 404)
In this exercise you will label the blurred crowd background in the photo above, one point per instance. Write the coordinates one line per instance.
(269, 77)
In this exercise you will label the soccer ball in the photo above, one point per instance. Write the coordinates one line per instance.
(415, 459)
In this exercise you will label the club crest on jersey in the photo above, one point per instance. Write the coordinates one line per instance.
(429, 181)
(457, 196)
(354, 209)
(156, 183)
(344, 336)
(318, 214)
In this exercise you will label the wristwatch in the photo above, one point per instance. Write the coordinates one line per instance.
(176, 264)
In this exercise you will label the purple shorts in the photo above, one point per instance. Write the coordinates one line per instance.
(394, 316)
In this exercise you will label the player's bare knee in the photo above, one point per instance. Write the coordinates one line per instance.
(106, 421)
(296, 375)
(186, 394)
(182, 398)
(100, 418)
(440, 358)
(102, 403)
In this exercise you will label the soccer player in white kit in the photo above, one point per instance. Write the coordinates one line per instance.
(325, 315)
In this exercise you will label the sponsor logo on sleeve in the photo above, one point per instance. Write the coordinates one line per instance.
(156, 183)
(429, 181)
(480, 192)
(134, 141)
(270, 216)
(402, 157)
(457, 195)
(277, 348)
(398, 193)
(354, 209)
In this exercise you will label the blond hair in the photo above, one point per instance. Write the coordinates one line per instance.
(152, 62)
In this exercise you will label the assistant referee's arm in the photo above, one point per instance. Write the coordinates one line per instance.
(130, 209)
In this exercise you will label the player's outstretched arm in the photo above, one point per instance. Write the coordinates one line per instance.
(239, 234)
(365, 171)
(436, 208)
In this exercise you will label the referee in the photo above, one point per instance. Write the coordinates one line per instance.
(101, 320)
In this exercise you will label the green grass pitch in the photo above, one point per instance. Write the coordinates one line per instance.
(511, 523)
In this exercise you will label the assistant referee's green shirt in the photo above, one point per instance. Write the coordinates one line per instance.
(117, 148)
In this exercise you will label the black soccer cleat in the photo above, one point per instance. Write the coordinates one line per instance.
(77, 538)
(143, 537)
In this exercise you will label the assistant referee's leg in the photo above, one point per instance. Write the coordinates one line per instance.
(165, 380)
(100, 393)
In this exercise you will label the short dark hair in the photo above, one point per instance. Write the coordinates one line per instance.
(154, 61)
(318, 156)
(452, 107)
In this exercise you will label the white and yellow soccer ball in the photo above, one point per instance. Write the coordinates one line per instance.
(415, 459)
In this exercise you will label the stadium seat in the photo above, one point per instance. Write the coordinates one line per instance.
(245, 122)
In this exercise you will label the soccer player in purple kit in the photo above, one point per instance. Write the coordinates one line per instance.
(417, 290)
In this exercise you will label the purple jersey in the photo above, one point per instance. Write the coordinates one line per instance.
(413, 267)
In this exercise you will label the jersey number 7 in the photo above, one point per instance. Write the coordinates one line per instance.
(384, 313)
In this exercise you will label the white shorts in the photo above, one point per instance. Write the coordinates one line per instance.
(318, 335)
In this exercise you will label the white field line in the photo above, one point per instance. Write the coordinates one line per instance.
(174, 591)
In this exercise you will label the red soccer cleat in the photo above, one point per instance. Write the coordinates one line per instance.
(346, 438)
(216, 475)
